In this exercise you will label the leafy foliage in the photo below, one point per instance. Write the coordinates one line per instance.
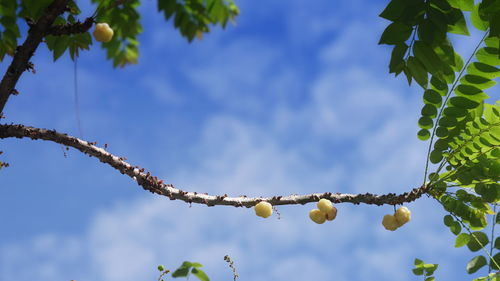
(192, 18)
(9, 30)
(185, 270)
(464, 131)
(124, 19)
(425, 269)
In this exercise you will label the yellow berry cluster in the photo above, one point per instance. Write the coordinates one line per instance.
(400, 217)
(326, 211)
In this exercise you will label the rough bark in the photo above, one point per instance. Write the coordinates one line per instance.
(155, 185)
(23, 54)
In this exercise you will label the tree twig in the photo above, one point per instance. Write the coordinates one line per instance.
(72, 28)
(155, 185)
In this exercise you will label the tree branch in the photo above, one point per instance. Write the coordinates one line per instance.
(23, 54)
(153, 184)
(72, 28)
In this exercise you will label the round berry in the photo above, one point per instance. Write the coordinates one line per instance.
(324, 205)
(390, 222)
(263, 209)
(103, 33)
(317, 216)
(402, 215)
(331, 214)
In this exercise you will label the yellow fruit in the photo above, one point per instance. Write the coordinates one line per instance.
(317, 216)
(390, 222)
(324, 205)
(263, 209)
(331, 214)
(402, 215)
(103, 33)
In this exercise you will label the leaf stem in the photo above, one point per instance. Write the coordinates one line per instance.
(446, 100)
(493, 223)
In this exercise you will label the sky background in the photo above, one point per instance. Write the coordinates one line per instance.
(295, 98)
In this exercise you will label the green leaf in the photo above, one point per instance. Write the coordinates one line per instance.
(200, 274)
(495, 261)
(407, 11)
(441, 144)
(459, 25)
(428, 57)
(428, 32)
(432, 97)
(471, 92)
(430, 279)
(467, 90)
(60, 46)
(397, 63)
(433, 176)
(476, 20)
(439, 86)
(430, 268)
(418, 71)
(495, 26)
(455, 228)
(462, 102)
(196, 265)
(181, 272)
(418, 271)
(394, 10)
(34, 8)
(425, 122)
(475, 264)
(477, 241)
(429, 110)
(497, 243)
(488, 55)
(487, 9)
(447, 121)
(448, 220)
(484, 70)
(423, 134)
(462, 240)
(478, 81)
(492, 41)
(436, 156)
(396, 33)
(442, 132)
(489, 192)
(407, 73)
(464, 5)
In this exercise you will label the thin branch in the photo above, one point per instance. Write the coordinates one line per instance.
(155, 185)
(21, 60)
(72, 28)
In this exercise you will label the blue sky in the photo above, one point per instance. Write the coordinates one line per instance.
(295, 98)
